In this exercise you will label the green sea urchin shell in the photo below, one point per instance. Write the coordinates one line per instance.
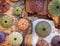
(43, 29)
(54, 7)
(6, 21)
(17, 10)
(15, 38)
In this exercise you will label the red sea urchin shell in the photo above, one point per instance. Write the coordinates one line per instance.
(42, 43)
(36, 5)
(4, 6)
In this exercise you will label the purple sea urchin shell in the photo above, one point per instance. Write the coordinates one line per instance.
(36, 6)
(2, 37)
(56, 41)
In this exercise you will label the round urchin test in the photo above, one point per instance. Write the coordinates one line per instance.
(54, 7)
(15, 38)
(17, 10)
(6, 21)
(43, 29)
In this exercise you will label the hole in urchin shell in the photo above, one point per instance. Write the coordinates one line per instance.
(5, 21)
(57, 7)
(3, 5)
(15, 38)
(43, 29)
(58, 43)
(17, 10)
(22, 23)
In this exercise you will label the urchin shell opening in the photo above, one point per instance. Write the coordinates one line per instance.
(15, 38)
(17, 10)
(57, 7)
(5, 21)
(44, 29)
(3, 5)
(58, 42)
(22, 23)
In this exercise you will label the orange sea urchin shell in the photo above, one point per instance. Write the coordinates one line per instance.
(23, 24)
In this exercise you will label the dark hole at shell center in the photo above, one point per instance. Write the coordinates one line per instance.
(57, 7)
(22, 23)
(3, 5)
(5, 21)
(15, 38)
(44, 29)
(17, 10)
(58, 43)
